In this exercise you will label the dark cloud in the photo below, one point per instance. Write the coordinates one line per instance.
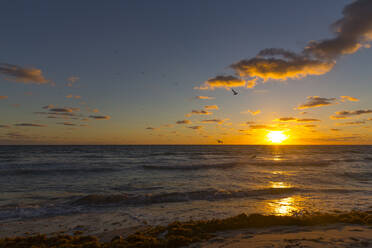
(198, 112)
(196, 127)
(29, 125)
(66, 123)
(4, 126)
(310, 126)
(24, 75)
(100, 117)
(317, 101)
(183, 122)
(150, 128)
(61, 110)
(218, 121)
(346, 114)
(286, 119)
(352, 32)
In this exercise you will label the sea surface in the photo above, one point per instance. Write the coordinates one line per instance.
(164, 183)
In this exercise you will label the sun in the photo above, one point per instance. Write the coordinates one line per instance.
(276, 136)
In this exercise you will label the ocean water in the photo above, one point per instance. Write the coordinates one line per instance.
(164, 183)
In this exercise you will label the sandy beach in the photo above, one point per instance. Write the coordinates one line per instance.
(286, 237)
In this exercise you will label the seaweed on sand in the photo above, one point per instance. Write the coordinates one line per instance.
(178, 234)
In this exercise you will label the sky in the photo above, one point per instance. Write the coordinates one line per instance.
(161, 72)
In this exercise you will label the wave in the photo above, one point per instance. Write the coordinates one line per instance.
(284, 162)
(49, 171)
(191, 166)
(209, 195)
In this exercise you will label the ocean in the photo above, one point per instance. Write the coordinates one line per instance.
(159, 184)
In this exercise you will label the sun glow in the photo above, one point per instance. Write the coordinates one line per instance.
(276, 136)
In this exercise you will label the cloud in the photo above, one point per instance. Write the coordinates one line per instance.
(286, 119)
(183, 122)
(48, 106)
(210, 107)
(317, 101)
(346, 114)
(222, 82)
(262, 126)
(100, 117)
(63, 110)
(28, 125)
(95, 111)
(335, 129)
(218, 121)
(3, 97)
(252, 112)
(196, 127)
(350, 123)
(352, 32)
(198, 112)
(71, 80)
(4, 126)
(349, 98)
(204, 97)
(72, 96)
(280, 64)
(151, 128)
(310, 126)
(66, 123)
(23, 75)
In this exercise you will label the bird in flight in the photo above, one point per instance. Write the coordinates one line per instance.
(219, 141)
(234, 92)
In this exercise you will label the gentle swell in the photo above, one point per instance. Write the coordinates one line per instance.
(190, 167)
(209, 195)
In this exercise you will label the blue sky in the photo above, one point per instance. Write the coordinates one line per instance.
(139, 61)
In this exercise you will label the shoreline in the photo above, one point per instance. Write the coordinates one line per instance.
(230, 232)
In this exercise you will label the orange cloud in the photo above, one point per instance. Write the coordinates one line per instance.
(210, 107)
(204, 97)
(3, 97)
(72, 96)
(23, 75)
(349, 98)
(223, 82)
(290, 66)
(252, 112)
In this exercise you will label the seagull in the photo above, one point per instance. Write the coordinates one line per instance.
(234, 92)
(219, 141)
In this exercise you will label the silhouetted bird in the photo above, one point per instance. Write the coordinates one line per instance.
(234, 92)
(219, 141)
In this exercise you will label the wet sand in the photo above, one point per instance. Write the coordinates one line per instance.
(286, 237)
